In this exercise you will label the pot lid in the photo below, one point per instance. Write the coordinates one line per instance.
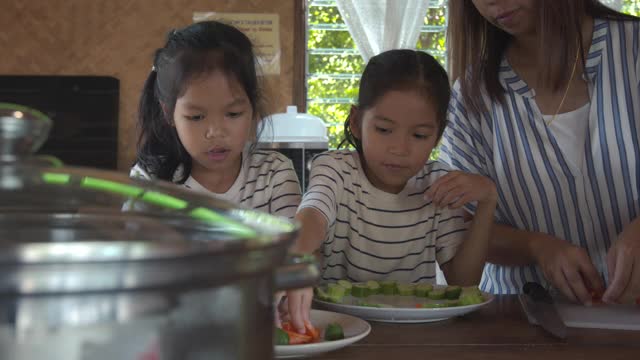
(52, 214)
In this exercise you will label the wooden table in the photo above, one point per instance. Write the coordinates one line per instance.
(498, 331)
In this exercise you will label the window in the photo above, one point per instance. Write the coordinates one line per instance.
(334, 65)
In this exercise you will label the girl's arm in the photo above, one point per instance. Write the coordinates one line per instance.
(316, 212)
(312, 232)
(466, 266)
(320, 202)
(453, 191)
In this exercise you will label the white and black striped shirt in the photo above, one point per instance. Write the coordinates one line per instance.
(267, 182)
(374, 235)
(540, 187)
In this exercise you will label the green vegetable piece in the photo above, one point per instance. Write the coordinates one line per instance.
(389, 287)
(452, 292)
(436, 294)
(452, 303)
(281, 337)
(346, 285)
(438, 305)
(423, 290)
(321, 294)
(359, 290)
(333, 332)
(374, 287)
(470, 296)
(336, 291)
(406, 289)
(472, 290)
(367, 304)
(470, 299)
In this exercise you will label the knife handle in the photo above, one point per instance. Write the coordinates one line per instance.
(537, 292)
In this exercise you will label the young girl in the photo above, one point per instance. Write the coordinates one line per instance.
(384, 211)
(199, 110)
(199, 117)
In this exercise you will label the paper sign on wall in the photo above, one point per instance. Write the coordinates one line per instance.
(262, 29)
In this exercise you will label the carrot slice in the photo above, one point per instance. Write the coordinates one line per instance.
(295, 338)
(312, 331)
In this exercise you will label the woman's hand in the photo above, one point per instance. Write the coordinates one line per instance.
(458, 188)
(568, 268)
(623, 262)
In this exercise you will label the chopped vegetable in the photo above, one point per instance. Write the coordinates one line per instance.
(346, 285)
(281, 337)
(333, 332)
(374, 287)
(367, 304)
(360, 290)
(436, 294)
(422, 290)
(452, 292)
(470, 296)
(335, 290)
(311, 334)
(596, 297)
(389, 287)
(406, 289)
(321, 294)
(438, 305)
(452, 303)
(287, 335)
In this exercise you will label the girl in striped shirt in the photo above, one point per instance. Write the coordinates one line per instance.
(365, 210)
(199, 116)
(547, 104)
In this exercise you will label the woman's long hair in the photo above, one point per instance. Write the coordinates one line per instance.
(476, 47)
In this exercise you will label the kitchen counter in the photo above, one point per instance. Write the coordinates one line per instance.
(498, 331)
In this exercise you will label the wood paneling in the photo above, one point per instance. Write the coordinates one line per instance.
(117, 38)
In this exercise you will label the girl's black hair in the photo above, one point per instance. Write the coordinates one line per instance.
(189, 52)
(401, 70)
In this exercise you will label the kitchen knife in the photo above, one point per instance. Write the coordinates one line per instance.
(539, 306)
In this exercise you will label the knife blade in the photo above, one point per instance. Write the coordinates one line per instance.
(539, 306)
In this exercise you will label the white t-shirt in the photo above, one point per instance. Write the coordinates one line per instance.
(375, 235)
(570, 130)
(267, 181)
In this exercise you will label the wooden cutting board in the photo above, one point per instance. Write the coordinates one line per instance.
(619, 317)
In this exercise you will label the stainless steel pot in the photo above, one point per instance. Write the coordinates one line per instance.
(94, 265)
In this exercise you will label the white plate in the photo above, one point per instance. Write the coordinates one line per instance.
(354, 330)
(402, 309)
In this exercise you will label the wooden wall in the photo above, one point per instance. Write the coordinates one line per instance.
(117, 38)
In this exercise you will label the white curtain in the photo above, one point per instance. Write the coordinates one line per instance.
(380, 25)
(614, 4)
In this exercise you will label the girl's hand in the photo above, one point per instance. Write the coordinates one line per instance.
(295, 307)
(458, 188)
(623, 262)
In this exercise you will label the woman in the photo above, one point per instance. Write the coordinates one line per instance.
(549, 108)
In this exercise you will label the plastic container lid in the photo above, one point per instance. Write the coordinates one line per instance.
(294, 127)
